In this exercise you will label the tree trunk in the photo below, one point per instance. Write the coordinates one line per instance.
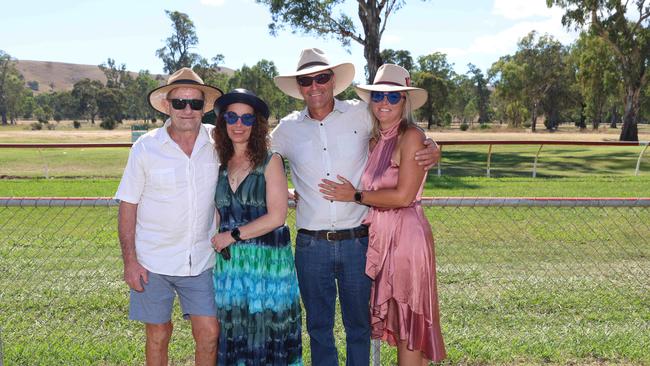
(614, 119)
(4, 118)
(533, 122)
(630, 132)
(371, 22)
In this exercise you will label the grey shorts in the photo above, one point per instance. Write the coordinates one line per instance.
(154, 304)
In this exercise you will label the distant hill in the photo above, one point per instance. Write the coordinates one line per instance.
(59, 76)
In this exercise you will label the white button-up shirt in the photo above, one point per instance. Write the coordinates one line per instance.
(175, 198)
(337, 145)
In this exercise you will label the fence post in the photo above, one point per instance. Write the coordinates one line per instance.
(535, 162)
(440, 161)
(488, 159)
(375, 352)
(638, 162)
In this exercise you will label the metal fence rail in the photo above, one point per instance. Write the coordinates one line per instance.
(519, 279)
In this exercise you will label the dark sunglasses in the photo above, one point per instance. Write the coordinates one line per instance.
(393, 97)
(247, 119)
(195, 104)
(305, 81)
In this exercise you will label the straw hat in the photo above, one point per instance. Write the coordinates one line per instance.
(391, 78)
(183, 78)
(313, 60)
(241, 96)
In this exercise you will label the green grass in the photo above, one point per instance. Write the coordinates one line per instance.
(594, 186)
(517, 285)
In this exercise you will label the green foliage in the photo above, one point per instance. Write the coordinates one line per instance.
(534, 77)
(86, 92)
(624, 26)
(259, 79)
(464, 126)
(434, 74)
(76, 124)
(36, 126)
(116, 76)
(108, 123)
(177, 50)
(33, 85)
(325, 19)
(398, 57)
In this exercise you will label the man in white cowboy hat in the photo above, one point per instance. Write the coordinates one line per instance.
(166, 215)
(329, 138)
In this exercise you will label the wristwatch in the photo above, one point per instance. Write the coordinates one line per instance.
(235, 234)
(358, 197)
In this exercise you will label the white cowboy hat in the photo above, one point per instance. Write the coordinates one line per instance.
(390, 78)
(313, 60)
(185, 78)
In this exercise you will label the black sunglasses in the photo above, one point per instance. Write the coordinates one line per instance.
(195, 104)
(305, 81)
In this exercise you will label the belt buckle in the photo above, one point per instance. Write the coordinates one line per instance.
(327, 235)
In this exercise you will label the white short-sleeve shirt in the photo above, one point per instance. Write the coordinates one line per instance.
(175, 198)
(337, 145)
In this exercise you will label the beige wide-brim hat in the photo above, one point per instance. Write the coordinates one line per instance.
(391, 78)
(313, 60)
(184, 78)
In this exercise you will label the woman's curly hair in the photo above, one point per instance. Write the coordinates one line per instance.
(258, 144)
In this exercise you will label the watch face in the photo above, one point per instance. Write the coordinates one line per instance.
(357, 196)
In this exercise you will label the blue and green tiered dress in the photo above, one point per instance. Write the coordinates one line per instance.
(258, 302)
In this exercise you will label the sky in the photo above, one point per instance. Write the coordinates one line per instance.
(130, 31)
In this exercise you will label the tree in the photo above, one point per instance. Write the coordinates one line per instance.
(481, 93)
(177, 51)
(630, 40)
(11, 86)
(116, 76)
(137, 105)
(598, 76)
(434, 74)
(318, 18)
(398, 57)
(532, 76)
(86, 91)
(259, 79)
(110, 103)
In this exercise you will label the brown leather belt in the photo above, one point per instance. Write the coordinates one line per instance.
(334, 235)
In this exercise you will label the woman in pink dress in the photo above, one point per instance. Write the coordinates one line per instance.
(400, 257)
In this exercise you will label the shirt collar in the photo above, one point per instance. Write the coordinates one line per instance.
(163, 135)
(339, 107)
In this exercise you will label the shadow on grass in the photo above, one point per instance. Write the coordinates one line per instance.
(551, 163)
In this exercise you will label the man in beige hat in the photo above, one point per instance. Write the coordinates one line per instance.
(166, 216)
(329, 138)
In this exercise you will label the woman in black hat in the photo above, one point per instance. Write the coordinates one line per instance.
(256, 288)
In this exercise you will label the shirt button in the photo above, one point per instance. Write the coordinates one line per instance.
(328, 174)
(324, 149)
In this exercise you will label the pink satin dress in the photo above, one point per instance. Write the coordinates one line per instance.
(401, 261)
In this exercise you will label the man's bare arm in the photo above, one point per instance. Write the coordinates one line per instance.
(133, 271)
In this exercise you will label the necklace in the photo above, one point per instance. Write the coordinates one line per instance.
(237, 173)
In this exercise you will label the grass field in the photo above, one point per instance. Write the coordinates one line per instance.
(554, 286)
(517, 286)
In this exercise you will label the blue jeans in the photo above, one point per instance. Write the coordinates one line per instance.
(321, 266)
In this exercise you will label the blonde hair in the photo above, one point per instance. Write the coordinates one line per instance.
(406, 121)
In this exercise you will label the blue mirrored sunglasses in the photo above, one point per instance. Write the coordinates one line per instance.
(393, 97)
(248, 119)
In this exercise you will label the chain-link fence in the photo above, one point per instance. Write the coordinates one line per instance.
(520, 281)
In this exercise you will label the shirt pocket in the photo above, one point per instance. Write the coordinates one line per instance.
(163, 182)
(351, 145)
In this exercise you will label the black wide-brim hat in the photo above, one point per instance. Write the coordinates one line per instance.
(241, 95)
